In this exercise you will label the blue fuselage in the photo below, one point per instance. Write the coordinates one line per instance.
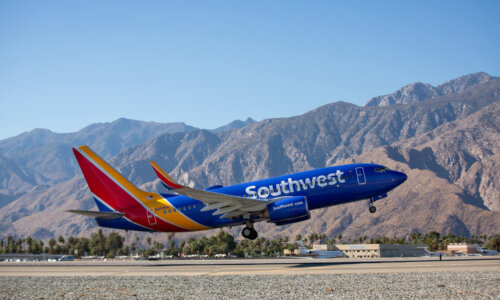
(321, 188)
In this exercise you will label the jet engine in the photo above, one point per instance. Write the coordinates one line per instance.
(289, 210)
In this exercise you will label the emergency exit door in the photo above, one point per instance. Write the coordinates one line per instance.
(360, 174)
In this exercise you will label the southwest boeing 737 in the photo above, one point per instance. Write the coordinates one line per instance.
(280, 200)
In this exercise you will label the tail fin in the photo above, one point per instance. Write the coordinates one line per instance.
(112, 191)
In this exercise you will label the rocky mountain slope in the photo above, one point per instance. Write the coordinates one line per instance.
(418, 92)
(465, 153)
(451, 185)
(45, 158)
(315, 139)
(448, 145)
(236, 124)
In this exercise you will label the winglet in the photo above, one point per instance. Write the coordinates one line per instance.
(169, 182)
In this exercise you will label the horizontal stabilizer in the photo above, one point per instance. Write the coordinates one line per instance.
(104, 215)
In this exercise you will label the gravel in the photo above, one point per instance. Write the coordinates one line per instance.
(455, 285)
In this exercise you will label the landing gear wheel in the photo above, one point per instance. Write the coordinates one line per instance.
(373, 209)
(254, 235)
(246, 232)
(249, 233)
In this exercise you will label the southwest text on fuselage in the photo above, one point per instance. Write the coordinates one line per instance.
(291, 186)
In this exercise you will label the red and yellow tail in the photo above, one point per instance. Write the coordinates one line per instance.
(114, 193)
(107, 184)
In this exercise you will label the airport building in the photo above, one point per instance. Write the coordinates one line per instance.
(287, 252)
(369, 250)
(461, 248)
(35, 257)
(381, 250)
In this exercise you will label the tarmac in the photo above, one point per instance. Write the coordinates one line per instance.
(279, 266)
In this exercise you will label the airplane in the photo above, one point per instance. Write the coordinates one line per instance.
(431, 253)
(304, 252)
(279, 200)
(485, 251)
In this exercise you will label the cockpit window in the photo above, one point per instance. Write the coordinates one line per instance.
(381, 170)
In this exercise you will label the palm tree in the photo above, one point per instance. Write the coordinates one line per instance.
(322, 238)
(171, 244)
(158, 246)
(114, 242)
(171, 236)
(330, 241)
(29, 249)
(311, 237)
(52, 243)
(494, 242)
(40, 246)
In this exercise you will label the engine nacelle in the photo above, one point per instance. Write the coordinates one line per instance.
(289, 210)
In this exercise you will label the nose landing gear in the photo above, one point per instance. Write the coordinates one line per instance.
(249, 232)
(372, 208)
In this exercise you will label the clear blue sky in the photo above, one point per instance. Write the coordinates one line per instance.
(66, 64)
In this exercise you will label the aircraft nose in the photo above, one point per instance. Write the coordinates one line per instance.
(399, 177)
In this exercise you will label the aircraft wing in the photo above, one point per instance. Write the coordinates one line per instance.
(228, 206)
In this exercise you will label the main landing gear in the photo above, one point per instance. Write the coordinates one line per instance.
(249, 232)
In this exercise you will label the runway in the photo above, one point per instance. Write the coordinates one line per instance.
(395, 278)
(249, 267)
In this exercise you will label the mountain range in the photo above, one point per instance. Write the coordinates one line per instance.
(446, 138)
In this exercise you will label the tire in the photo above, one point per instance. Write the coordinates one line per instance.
(254, 235)
(249, 233)
(246, 232)
(373, 209)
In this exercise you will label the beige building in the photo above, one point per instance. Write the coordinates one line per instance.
(369, 250)
(287, 252)
(461, 248)
(324, 247)
(380, 250)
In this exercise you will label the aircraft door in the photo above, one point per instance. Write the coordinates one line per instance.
(151, 218)
(360, 174)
